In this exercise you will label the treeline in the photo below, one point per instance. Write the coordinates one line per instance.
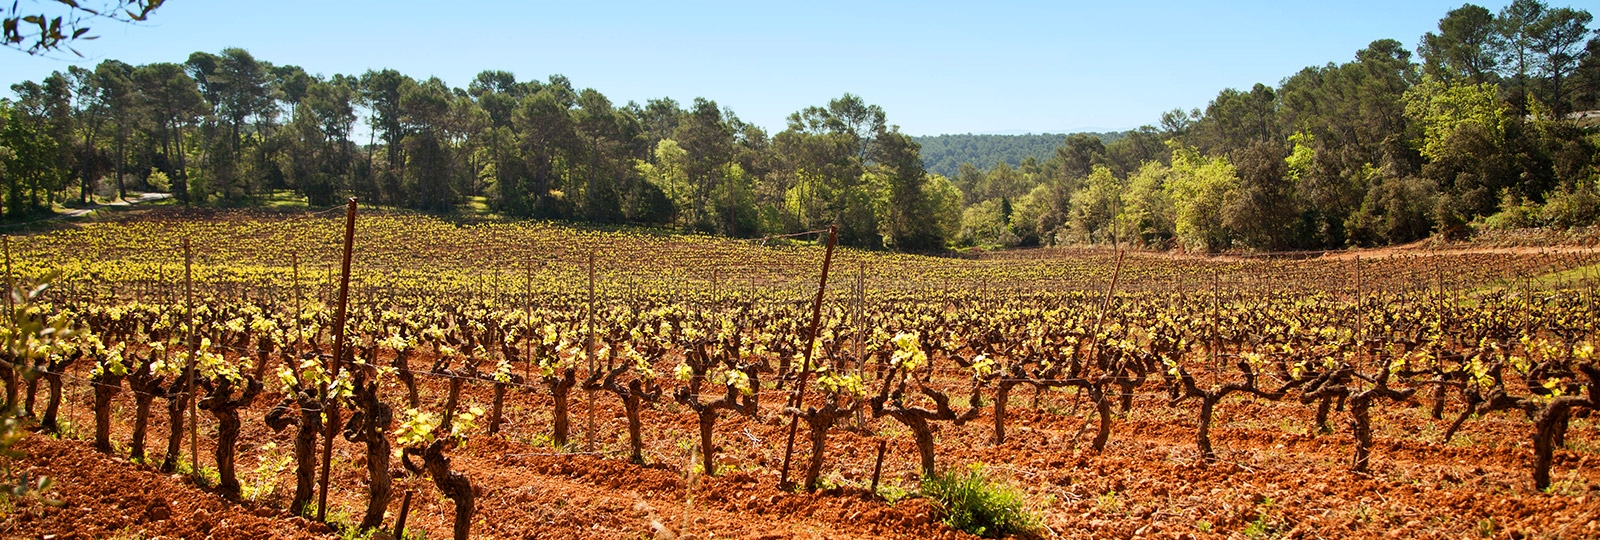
(1477, 132)
(1382, 149)
(230, 129)
(944, 154)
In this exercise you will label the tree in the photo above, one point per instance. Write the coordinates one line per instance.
(27, 162)
(1235, 120)
(89, 110)
(546, 137)
(907, 221)
(50, 108)
(115, 81)
(1147, 210)
(1094, 208)
(1558, 38)
(707, 142)
(1439, 109)
(173, 102)
(1201, 188)
(1264, 211)
(1078, 154)
(1468, 46)
(1515, 23)
(380, 92)
(57, 25)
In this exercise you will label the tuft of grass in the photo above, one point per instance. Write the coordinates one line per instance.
(1107, 502)
(973, 502)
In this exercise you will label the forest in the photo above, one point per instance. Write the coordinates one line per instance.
(1475, 129)
(944, 154)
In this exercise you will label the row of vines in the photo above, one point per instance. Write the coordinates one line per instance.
(722, 328)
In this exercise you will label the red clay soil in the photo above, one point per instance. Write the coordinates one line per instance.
(1275, 478)
(108, 497)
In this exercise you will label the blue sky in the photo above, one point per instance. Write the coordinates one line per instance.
(935, 67)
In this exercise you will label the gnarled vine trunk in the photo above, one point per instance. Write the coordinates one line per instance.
(222, 404)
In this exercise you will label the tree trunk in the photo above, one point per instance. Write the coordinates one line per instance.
(924, 438)
(177, 401)
(33, 389)
(708, 451)
(455, 486)
(1362, 422)
(8, 372)
(122, 190)
(103, 392)
(1202, 434)
(1321, 423)
(1551, 420)
(499, 403)
(52, 408)
(1002, 393)
(558, 434)
(370, 426)
(1438, 403)
(403, 372)
(631, 406)
(227, 437)
(1102, 404)
(305, 444)
(819, 442)
(451, 401)
(141, 419)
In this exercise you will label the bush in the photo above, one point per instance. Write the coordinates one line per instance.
(1568, 208)
(158, 181)
(977, 504)
(1515, 213)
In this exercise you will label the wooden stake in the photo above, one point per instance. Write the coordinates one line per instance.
(299, 333)
(1094, 337)
(400, 522)
(527, 308)
(805, 366)
(877, 466)
(188, 293)
(589, 444)
(330, 406)
(11, 286)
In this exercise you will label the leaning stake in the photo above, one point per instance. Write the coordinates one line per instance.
(188, 294)
(329, 405)
(805, 365)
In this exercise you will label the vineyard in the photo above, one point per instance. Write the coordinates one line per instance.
(524, 379)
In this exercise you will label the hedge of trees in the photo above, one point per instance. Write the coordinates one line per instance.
(1386, 148)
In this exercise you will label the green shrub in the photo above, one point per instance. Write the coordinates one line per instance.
(975, 503)
(1567, 208)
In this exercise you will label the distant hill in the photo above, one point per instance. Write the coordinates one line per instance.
(944, 154)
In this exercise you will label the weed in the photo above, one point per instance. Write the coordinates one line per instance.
(1486, 527)
(340, 520)
(265, 481)
(1572, 486)
(1108, 502)
(974, 503)
(893, 493)
(68, 431)
(1264, 526)
(1257, 529)
(208, 477)
(127, 533)
(1202, 525)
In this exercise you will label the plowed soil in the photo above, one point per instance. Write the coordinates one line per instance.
(1276, 476)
